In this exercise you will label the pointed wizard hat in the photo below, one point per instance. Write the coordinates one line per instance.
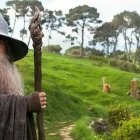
(19, 48)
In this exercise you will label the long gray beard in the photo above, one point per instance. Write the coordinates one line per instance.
(10, 78)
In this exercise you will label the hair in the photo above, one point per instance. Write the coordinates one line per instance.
(10, 79)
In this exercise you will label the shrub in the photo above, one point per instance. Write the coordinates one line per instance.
(98, 58)
(82, 130)
(73, 51)
(117, 114)
(121, 64)
(99, 63)
(100, 126)
(53, 48)
(117, 54)
(86, 51)
(137, 55)
(130, 67)
(97, 52)
(130, 130)
(113, 62)
(124, 65)
(124, 57)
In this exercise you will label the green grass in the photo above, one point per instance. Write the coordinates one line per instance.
(82, 130)
(73, 85)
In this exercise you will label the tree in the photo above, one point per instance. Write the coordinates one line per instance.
(82, 17)
(71, 39)
(107, 35)
(125, 23)
(53, 21)
(4, 13)
(136, 33)
(22, 9)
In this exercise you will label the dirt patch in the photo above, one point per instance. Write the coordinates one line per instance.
(65, 132)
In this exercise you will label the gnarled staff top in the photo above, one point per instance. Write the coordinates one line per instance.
(36, 29)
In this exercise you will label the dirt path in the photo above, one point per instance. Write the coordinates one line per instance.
(62, 130)
(65, 132)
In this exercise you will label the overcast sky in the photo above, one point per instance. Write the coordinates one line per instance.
(106, 8)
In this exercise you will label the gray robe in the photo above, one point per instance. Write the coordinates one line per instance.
(16, 123)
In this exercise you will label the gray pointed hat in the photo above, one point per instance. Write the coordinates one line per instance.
(19, 48)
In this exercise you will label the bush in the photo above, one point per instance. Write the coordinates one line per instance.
(73, 51)
(53, 48)
(76, 50)
(100, 126)
(82, 130)
(98, 58)
(137, 55)
(117, 114)
(124, 65)
(97, 52)
(113, 62)
(124, 57)
(131, 67)
(130, 130)
(117, 54)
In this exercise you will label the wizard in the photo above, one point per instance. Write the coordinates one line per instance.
(16, 109)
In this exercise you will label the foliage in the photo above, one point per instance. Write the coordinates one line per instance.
(80, 18)
(22, 5)
(124, 65)
(53, 20)
(118, 114)
(53, 48)
(98, 58)
(4, 13)
(22, 10)
(100, 126)
(137, 55)
(125, 21)
(93, 51)
(75, 51)
(107, 35)
(125, 24)
(130, 130)
(87, 51)
(82, 130)
(113, 62)
(117, 54)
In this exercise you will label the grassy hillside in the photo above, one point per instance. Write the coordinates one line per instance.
(74, 85)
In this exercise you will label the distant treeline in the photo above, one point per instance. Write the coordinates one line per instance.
(123, 30)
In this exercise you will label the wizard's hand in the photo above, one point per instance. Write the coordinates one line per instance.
(43, 100)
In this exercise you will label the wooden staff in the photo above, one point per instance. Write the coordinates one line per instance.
(36, 35)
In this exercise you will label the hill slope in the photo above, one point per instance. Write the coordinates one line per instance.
(74, 85)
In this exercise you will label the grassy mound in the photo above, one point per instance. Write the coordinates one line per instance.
(74, 86)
